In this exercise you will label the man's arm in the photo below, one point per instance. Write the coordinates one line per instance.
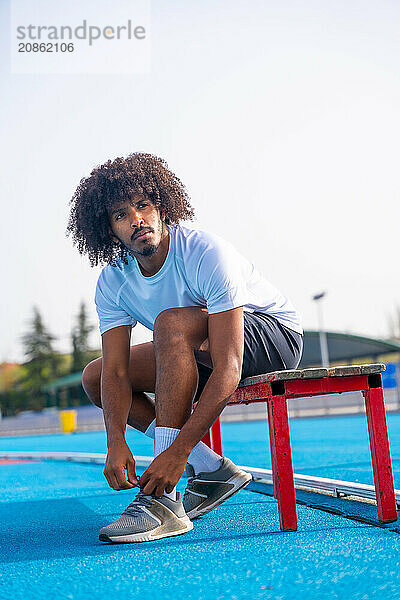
(116, 400)
(226, 341)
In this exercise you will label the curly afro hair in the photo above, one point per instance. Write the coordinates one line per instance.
(111, 184)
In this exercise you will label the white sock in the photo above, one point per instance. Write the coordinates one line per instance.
(202, 458)
(163, 438)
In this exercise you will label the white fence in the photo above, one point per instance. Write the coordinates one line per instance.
(90, 418)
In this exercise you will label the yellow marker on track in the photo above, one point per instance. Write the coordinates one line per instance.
(68, 421)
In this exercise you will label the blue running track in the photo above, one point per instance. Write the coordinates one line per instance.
(51, 512)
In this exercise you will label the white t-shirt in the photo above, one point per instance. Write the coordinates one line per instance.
(201, 269)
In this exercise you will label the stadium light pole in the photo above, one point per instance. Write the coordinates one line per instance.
(322, 334)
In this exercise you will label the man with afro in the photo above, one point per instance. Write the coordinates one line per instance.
(215, 320)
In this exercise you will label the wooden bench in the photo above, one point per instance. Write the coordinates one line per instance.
(276, 387)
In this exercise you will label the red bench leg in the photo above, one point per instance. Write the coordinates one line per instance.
(380, 453)
(216, 437)
(207, 439)
(214, 434)
(272, 445)
(282, 463)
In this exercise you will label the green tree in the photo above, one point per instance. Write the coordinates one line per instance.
(81, 353)
(42, 361)
(12, 401)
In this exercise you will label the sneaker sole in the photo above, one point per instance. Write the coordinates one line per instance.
(147, 536)
(240, 480)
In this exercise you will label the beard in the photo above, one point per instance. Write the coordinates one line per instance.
(148, 250)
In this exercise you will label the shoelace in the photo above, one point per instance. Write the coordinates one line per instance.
(141, 499)
(189, 486)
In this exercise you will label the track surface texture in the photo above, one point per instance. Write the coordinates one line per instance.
(51, 512)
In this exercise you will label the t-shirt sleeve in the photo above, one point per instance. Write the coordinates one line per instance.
(220, 278)
(110, 314)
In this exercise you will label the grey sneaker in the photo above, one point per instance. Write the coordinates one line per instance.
(205, 491)
(148, 518)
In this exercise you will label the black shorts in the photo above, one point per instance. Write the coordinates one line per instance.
(268, 346)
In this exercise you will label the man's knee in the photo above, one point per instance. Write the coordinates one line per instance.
(91, 381)
(182, 325)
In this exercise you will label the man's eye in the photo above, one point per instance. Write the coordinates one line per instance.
(143, 204)
(118, 216)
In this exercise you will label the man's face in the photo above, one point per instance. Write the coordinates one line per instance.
(137, 224)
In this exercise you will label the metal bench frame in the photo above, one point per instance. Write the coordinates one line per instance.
(275, 388)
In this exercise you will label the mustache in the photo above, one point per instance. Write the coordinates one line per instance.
(140, 232)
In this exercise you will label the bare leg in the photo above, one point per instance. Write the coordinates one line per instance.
(179, 335)
(142, 368)
(178, 332)
(142, 375)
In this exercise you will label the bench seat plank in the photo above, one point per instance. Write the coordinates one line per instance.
(313, 373)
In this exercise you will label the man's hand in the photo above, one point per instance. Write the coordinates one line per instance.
(164, 472)
(119, 459)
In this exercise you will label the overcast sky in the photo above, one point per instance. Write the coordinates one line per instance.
(282, 119)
